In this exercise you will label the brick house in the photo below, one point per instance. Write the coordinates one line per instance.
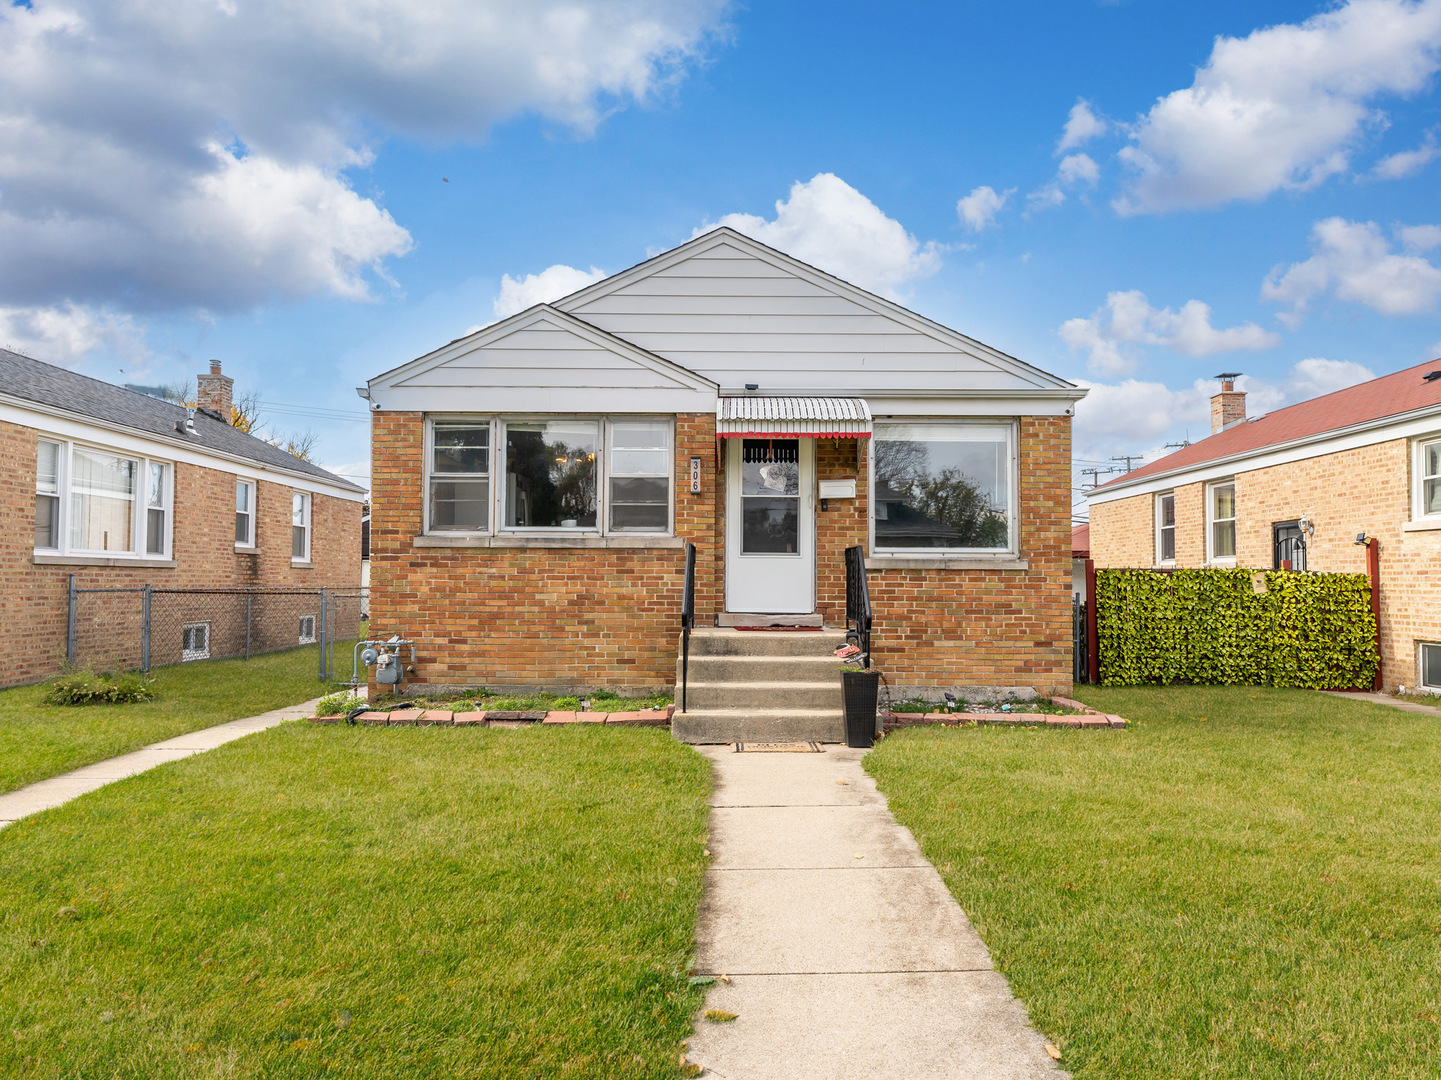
(535, 484)
(121, 489)
(1297, 489)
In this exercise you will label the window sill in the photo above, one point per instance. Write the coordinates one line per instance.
(583, 541)
(100, 560)
(946, 562)
(301, 564)
(246, 549)
(1424, 525)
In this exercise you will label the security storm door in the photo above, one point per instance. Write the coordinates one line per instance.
(770, 526)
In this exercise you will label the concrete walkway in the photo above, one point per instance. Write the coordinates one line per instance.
(57, 790)
(847, 955)
(1384, 699)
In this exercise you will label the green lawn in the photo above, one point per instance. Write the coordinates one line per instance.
(362, 902)
(38, 740)
(1245, 884)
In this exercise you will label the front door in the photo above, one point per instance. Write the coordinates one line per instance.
(770, 526)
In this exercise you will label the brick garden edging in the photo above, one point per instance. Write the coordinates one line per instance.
(500, 718)
(1090, 718)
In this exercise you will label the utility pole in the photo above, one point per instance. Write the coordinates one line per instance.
(1127, 458)
(1095, 474)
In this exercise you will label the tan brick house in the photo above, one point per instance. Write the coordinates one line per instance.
(1297, 488)
(121, 489)
(535, 484)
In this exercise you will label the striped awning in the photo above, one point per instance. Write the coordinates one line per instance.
(796, 417)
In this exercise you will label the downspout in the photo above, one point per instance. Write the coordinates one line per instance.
(1373, 571)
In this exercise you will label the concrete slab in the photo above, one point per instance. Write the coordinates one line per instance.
(833, 778)
(1388, 700)
(58, 790)
(810, 837)
(951, 1025)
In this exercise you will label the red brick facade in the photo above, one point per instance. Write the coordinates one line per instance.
(33, 594)
(585, 617)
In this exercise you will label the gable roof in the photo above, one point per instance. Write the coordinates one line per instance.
(79, 395)
(503, 366)
(1389, 397)
(738, 311)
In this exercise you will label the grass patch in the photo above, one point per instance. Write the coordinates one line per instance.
(363, 902)
(39, 740)
(1242, 884)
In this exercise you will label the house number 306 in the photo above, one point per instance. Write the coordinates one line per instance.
(695, 476)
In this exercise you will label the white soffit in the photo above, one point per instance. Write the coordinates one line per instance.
(807, 418)
(542, 360)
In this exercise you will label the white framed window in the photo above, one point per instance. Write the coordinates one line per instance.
(639, 468)
(458, 483)
(1221, 522)
(1428, 663)
(1166, 528)
(92, 501)
(551, 474)
(299, 527)
(1426, 500)
(307, 629)
(245, 513)
(195, 641)
(47, 495)
(944, 486)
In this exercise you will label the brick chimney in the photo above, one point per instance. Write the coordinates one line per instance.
(1229, 406)
(215, 391)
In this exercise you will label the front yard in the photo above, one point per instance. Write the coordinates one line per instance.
(1244, 884)
(363, 902)
(39, 740)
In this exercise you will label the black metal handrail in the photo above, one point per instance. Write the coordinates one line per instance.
(687, 620)
(858, 603)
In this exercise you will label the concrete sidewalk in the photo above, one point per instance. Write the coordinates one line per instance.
(847, 955)
(44, 794)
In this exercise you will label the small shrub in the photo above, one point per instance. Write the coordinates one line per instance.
(563, 704)
(339, 703)
(604, 695)
(92, 688)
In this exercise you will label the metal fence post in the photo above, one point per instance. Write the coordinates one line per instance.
(321, 634)
(248, 596)
(70, 625)
(145, 629)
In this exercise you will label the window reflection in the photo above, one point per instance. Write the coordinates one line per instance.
(550, 474)
(770, 496)
(943, 486)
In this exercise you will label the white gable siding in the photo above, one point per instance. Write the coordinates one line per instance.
(736, 319)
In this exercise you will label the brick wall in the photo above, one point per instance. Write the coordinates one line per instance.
(203, 546)
(582, 618)
(1367, 489)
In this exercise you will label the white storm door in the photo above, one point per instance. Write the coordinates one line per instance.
(770, 526)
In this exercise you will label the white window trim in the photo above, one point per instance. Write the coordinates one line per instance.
(1425, 688)
(496, 509)
(248, 545)
(62, 460)
(1211, 557)
(302, 560)
(194, 654)
(1418, 465)
(1156, 521)
(1006, 554)
(139, 518)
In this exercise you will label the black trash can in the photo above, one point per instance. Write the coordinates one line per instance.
(859, 690)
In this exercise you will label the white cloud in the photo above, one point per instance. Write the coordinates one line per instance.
(1280, 108)
(1048, 197)
(835, 228)
(1082, 125)
(550, 284)
(1419, 237)
(1127, 318)
(1407, 162)
(1074, 169)
(65, 334)
(171, 155)
(1353, 261)
(978, 210)
(1316, 376)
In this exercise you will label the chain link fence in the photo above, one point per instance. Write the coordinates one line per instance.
(137, 629)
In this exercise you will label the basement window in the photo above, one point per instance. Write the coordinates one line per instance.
(307, 629)
(195, 641)
(1431, 667)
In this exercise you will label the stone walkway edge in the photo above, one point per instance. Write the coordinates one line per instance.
(58, 790)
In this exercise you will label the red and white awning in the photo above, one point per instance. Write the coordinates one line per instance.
(793, 417)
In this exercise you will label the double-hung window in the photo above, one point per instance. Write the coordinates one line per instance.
(1428, 480)
(944, 486)
(460, 477)
(244, 513)
(640, 476)
(1221, 521)
(93, 501)
(1166, 528)
(299, 527)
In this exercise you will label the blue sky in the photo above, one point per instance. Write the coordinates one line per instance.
(314, 197)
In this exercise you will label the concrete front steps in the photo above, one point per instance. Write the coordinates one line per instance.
(761, 686)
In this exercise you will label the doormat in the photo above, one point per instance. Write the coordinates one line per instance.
(778, 748)
(772, 629)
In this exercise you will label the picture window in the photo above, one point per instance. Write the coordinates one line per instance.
(946, 486)
(92, 501)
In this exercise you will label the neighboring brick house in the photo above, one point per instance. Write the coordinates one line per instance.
(534, 483)
(122, 489)
(1297, 488)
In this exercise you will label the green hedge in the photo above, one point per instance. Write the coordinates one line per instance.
(1220, 627)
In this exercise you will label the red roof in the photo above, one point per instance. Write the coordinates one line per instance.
(1081, 542)
(1390, 395)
